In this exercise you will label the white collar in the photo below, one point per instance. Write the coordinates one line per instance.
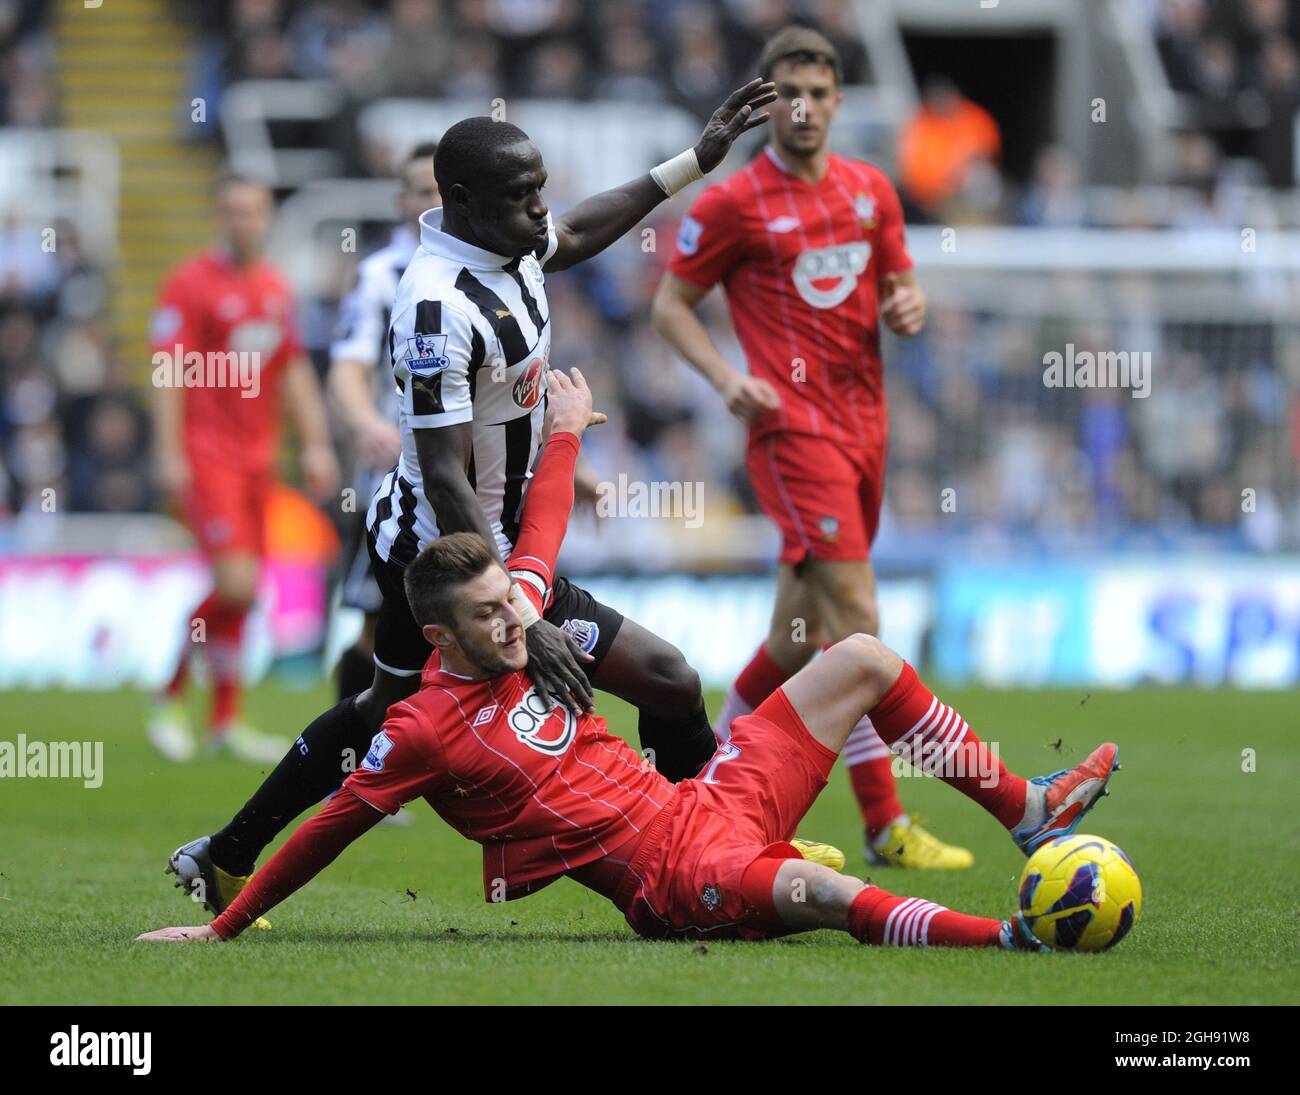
(445, 245)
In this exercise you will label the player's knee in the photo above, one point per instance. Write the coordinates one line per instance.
(873, 662)
(676, 686)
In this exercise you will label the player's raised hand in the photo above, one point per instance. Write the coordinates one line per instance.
(749, 397)
(568, 404)
(200, 934)
(741, 112)
(903, 308)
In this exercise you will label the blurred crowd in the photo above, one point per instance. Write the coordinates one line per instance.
(73, 429)
(969, 410)
(1238, 64)
(28, 84)
(683, 51)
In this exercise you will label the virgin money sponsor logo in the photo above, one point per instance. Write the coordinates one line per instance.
(528, 388)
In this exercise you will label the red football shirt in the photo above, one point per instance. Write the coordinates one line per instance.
(228, 333)
(543, 791)
(799, 264)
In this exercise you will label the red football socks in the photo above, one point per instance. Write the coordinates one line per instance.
(934, 738)
(885, 919)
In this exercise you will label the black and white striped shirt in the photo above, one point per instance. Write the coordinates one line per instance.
(361, 333)
(469, 341)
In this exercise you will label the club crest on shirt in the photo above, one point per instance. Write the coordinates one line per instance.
(710, 896)
(865, 207)
(826, 276)
(586, 633)
(427, 354)
(550, 732)
(688, 236)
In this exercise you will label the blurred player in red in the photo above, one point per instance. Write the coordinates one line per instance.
(550, 793)
(226, 351)
(809, 249)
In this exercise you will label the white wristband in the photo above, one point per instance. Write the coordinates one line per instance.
(682, 170)
(527, 613)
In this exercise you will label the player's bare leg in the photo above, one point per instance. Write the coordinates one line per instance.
(844, 591)
(863, 676)
(809, 897)
(653, 676)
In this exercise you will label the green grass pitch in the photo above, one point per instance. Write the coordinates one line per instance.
(400, 917)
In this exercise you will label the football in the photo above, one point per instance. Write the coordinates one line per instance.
(1080, 893)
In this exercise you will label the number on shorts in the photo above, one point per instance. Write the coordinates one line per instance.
(726, 751)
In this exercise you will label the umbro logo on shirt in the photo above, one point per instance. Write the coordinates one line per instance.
(485, 715)
(783, 224)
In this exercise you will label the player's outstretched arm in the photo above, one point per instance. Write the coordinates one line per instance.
(315, 844)
(592, 225)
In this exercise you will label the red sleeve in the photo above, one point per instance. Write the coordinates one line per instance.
(405, 759)
(709, 241)
(545, 519)
(315, 844)
(177, 319)
(891, 247)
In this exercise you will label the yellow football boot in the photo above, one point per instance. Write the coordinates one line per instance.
(906, 844)
(825, 854)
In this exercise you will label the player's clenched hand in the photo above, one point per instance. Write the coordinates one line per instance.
(320, 470)
(903, 310)
(553, 659)
(568, 404)
(737, 115)
(749, 397)
(201, 934)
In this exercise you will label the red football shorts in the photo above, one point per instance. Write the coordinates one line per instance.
(825, 498)
(226, 508)
(707, 863)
